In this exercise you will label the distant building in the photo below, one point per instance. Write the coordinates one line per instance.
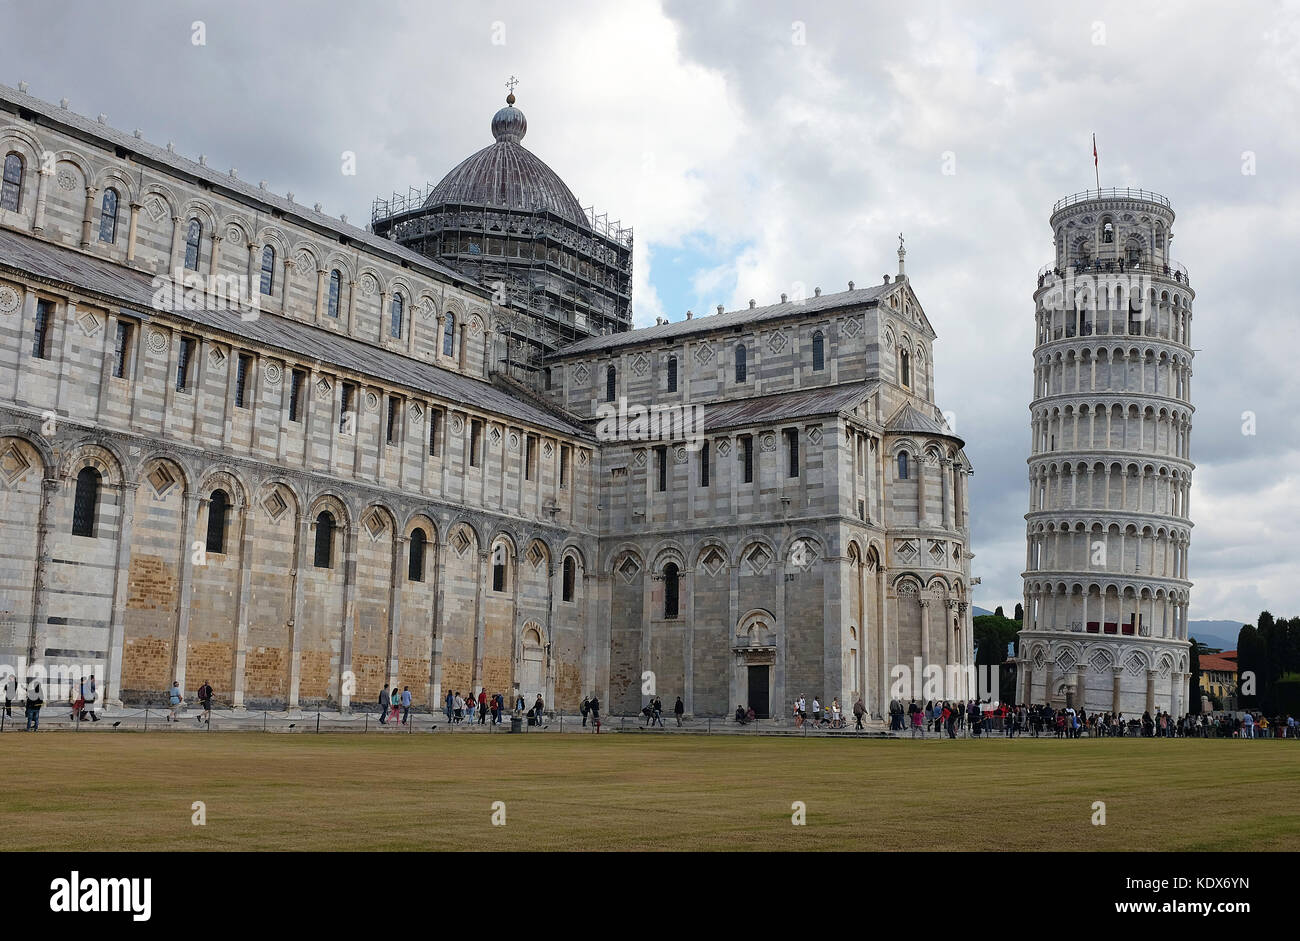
(1219, 675)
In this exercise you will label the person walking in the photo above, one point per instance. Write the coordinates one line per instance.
(205, 698)
(35, 699)
(594, 705)
(859, 710)
(174, 700)
(459, 707)
(89, 693)
(538, 707)
(584, 709)
(482, 706)
(469, 707)
(383, 704)
(11, 693)
(406, 704)
(679, 710)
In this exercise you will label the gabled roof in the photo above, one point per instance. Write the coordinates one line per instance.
(787, 406)
(909, 420)
(78, 125)
(28, 255)
(664, 333)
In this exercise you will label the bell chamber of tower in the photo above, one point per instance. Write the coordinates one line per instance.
(1106, 579)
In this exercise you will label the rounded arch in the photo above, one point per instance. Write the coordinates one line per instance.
(224, 477)
(112, 176)
(336, 504)
(102, 455)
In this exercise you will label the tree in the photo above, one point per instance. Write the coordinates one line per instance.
(998, 611)
(1020, 612)
(993, 635)
(1249, 650)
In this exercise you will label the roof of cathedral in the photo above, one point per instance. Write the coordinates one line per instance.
(506, 175)
(732, 318)
(786, 406)
(174, 161)
(909, 420)
(135, 288)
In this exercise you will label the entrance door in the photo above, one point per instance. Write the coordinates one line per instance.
(758, 680)
(532, 669)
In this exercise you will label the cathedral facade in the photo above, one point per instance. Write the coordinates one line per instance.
(245, 443)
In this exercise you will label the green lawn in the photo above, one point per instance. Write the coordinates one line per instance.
(621, 792)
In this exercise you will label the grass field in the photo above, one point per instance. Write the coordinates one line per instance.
(625, 792)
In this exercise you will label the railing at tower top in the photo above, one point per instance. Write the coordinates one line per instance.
(1112, 192)
(1095, 266)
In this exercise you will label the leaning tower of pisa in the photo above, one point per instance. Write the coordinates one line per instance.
(1106, 585)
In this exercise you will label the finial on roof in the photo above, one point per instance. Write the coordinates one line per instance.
(22, 87)
(817, 292)
(509, 124)
(783, 298)
(63, 103)
(850, 285)
(510, 84)
(720, 308)
(901, 252)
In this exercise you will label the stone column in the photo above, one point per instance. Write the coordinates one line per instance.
(42, 188)
(87, 216)
(132, 233)
(181, 649)
(214, 269)
(688, 695)
(480, 615)
(322, 293)
(882, 630)
(349, 625)
(40, 583)
(1049, 670)
(117, 624)
(244, 601)
(925, 633)
(1081, 685)
(1151, 691)
(295, 621)
(400, 542)
(177, 260)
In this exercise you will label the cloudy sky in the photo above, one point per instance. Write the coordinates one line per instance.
(760, 146)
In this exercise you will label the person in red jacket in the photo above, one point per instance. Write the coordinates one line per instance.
(482, 706)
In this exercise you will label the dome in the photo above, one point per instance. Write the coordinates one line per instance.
(507, 176)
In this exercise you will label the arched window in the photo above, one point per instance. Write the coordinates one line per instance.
(86, 502)
(108, 217)
(740, 363)
(415, 565)
(218, 506)
(905, 366)
(398, 315)
(570, 576)
(672, 374)
(193, 239)
(336, 291)
(1133, 252)
(670, 591)
(611, 383)
(268, 270)
(819, 351)
(11, 195)
(1107, 231)
(324, 556)
(449, 335)
(499, 568)
(902, 465)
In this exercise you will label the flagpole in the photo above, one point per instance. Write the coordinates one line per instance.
(1095, 168)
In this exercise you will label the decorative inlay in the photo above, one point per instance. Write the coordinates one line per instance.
(460, 542)
(156, 208)
(13, 464)
(305, 261)
(535, 555)
(514, 439)
(851, 327)
(714, 561)
(161, 479)
(681, 456)
(803, 553)
(9, 300)
(777, 341)
(368, 285)
(457, 424)
(1135, 662)
(629, 568)
(372, 402)
(703, 354)
(427, 309)
(580, 373)
(323, 388)
(67, 180)
(906, 549)
(157, 342)
(639, 457)
(216, 358)
(724, 447)
(937, 551)
(376, 526)
(476, 326)
(815, 434)
(234, 234)
(758, 559)
(548, 449)
(274, 373)
(275, 505)
(769, 442)
(89, 323)
(1099, 661)
(640, 364)
(416, 413)
(582, 458)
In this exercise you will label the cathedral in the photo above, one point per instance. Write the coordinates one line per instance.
(248, 444)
